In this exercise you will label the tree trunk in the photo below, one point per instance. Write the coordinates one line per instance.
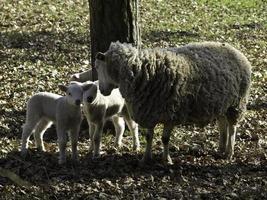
(111, 21)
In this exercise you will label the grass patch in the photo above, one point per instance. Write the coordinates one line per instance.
(43, 42)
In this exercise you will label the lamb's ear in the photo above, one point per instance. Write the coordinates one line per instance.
(63, 87)
(86, 87)
(100, 56)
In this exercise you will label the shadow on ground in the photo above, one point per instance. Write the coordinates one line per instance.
(43, 45)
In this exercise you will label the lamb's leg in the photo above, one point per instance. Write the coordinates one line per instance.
(39, 132)
(149, 139)
(165, 140)
(223, 128)
(62, 142)
(119, 125)
(91, 135)
(74, 135)
(28, 129)
(97, 138)
(231, 140)
(133, 126)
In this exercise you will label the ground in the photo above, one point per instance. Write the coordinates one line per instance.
(43, 42)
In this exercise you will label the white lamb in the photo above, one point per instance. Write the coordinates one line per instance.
(99, 108)
(45, 108)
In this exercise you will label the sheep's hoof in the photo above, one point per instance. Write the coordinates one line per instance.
(75, 162)
(229, 157)
(146, 160)
(90, 154)
(23, 153)
(167, 161)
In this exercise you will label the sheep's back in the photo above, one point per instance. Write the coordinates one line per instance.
(43, 104)
(193, 84)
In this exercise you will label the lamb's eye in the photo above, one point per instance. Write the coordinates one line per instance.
(69, 93)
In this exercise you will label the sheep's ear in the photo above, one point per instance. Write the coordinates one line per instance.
(63, 87)
(86, 87)
(100, 56)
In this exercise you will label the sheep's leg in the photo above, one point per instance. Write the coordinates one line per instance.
(28, 129)
(119, 125)
(231, 140)
(133, 126)
(39, 132)
(223, 128)
(97, 138)
(74, 135)
(149, 139)
(62, 143)
(165, 140)
(91, 135)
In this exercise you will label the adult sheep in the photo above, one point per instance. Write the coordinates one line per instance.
(192, 84)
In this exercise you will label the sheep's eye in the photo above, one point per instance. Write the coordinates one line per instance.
(69, 93)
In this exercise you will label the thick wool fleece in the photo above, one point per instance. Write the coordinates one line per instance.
(192, 84)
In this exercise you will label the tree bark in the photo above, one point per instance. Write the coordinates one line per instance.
(111, 21)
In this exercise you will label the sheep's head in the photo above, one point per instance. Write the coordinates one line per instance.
(74, 92)
(110, 64)
(90, 91)
(103, 67)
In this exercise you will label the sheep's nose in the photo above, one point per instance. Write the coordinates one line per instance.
(78, 102)
(89, 99)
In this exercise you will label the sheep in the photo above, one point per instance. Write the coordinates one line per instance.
(44, 109)
(82, 77)
(98, 108)
(194, 84)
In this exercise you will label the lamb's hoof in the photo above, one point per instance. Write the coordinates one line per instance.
(136, 148)
(117, 148)
(118, 145)
(62, 161)
(96, 156)
(40, 149)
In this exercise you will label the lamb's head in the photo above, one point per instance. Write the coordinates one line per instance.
(90, 91)
(74, 92)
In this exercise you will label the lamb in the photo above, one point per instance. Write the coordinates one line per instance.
(83, 76)
(45, 108)
(192, 84)
(98, 108)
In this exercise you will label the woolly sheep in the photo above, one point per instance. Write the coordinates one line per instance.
(45, 108)
(83, 76)
(98, 108)
(192, 84)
